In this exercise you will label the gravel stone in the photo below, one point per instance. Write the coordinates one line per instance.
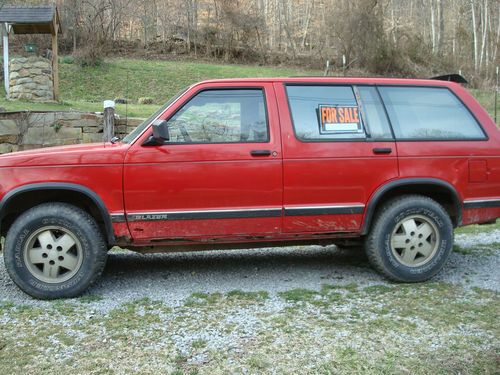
(173, 277)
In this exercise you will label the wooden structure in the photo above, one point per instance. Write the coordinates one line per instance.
(43, 19)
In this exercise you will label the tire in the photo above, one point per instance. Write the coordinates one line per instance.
(54, 250)
(411, 239)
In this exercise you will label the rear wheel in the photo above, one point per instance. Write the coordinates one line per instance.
(410, 240)
(54, 250)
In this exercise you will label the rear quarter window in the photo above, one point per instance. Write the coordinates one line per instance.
(429, 113)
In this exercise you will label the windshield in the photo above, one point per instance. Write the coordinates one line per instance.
(135, 133)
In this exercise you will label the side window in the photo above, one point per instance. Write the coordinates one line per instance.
(374, 115)
(325, 112)
(428, 113)
(221, 116)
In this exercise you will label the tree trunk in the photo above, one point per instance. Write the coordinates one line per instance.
(484, 21)
(474, 34)
(433, 27)
(497, 39)
(440, 36)
(308, 20)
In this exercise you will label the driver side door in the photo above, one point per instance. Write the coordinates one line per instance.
(219, 175)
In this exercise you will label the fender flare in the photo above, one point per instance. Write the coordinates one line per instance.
(68, 187)
(381, 191)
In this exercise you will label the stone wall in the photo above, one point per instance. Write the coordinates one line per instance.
(29, 130)
(30, 78)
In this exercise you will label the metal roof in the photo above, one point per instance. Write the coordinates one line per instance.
(41, 19)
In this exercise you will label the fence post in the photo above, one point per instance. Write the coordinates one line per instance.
(327, 68)
(109, 120)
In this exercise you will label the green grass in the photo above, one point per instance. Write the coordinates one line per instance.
(429, 328)
(133, 110)
(90, 298)
(478, 250)
(487, 100)
(85, 88)
(475, 228)
(248, 296)
(159, 80)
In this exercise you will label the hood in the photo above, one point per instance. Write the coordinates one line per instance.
(90, 153)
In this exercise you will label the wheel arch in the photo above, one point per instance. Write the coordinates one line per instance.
(441, 191)
(32, 194)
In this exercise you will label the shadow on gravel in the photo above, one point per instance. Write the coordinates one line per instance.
(255, 269)
(175, 276)
(264, 260)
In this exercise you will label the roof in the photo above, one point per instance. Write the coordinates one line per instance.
(41, 19)
(337, 80)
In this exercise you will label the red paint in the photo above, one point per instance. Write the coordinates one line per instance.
(134, 179)
(478, 171)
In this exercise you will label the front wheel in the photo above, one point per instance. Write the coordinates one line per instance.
(411, 239)
(54, 250)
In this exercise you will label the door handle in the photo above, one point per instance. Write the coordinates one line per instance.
(382, 150)
(260, 152)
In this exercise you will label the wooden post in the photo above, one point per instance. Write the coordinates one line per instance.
(55, 63)
(5, 32)
(109, 120)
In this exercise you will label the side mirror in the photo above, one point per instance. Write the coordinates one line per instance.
(160, 131)
(160, 135)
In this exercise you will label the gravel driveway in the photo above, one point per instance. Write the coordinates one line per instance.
(172, 278)
(306, 309)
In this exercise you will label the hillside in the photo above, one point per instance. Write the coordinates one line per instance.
(85, 88)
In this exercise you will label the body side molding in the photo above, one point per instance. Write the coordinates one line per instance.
(481, 203)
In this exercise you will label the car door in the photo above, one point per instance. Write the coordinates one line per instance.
(338, 148)
(219, 175)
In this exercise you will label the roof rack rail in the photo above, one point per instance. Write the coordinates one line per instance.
(451, 77)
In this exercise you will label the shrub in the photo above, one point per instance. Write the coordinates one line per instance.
(145, 100)
(89, 56)
(68, 59)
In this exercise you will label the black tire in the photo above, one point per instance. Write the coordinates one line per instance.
(388, 231)
(52, 220)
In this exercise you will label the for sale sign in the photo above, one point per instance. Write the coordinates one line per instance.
(339, 119)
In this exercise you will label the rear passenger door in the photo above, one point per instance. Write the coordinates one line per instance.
(337, 148)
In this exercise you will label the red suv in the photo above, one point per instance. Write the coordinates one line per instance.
(245, 163)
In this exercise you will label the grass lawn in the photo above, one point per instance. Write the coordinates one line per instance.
(85, 88)
(430, 328)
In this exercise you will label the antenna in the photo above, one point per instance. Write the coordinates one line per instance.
(126, 104)
(496, 97)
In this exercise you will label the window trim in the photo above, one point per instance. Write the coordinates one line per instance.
(485, 134)
(366, 138)
(266, 112)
